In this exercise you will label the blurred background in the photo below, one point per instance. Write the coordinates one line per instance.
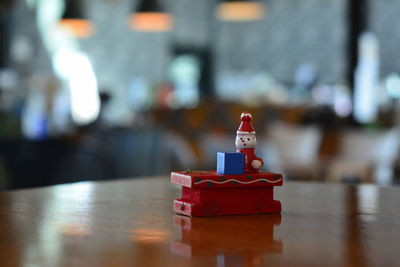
(107, 89)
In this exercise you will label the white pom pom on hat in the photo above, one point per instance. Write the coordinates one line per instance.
(245, 126)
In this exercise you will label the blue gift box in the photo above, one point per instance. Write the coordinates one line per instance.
(230, 163)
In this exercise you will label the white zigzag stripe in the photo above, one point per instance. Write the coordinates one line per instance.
(227, 181)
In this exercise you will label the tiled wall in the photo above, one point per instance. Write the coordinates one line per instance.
(293, 32)
(384, 20)
(25, 35)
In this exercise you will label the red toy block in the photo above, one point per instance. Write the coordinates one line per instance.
(207, 193)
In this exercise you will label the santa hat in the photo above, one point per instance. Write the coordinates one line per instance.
(245, 126)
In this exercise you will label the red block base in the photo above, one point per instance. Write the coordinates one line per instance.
(237, 199)
(227, 202)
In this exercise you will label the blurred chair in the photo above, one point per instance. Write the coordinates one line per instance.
(98, 155)
(3, 174)
(210, 144)
(365, 156)
(180, 147)
(40, 163)
(142, 152)
(292, 149)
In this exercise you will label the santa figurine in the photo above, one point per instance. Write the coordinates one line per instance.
(246, 143)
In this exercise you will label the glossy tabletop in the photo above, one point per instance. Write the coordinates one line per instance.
(131, 223)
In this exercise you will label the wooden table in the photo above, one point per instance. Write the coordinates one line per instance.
(131, 223)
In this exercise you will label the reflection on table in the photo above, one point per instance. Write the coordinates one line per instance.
(218, 237)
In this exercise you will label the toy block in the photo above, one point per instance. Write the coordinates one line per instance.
(230, 163)
(238, 186)
(207, 193)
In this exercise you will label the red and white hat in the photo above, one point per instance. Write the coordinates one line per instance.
(245, 126)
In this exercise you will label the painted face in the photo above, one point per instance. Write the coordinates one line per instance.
(245, 141)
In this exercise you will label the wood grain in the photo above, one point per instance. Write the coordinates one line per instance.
(131, 223)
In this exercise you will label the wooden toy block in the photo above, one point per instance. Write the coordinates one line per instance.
(212, 194)
(228, 191)
(230, 163)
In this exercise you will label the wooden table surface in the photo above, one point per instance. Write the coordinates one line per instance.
(131, 223)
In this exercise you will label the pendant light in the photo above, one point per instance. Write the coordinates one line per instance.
(240, 10)
(73, 21)
(150, 16)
